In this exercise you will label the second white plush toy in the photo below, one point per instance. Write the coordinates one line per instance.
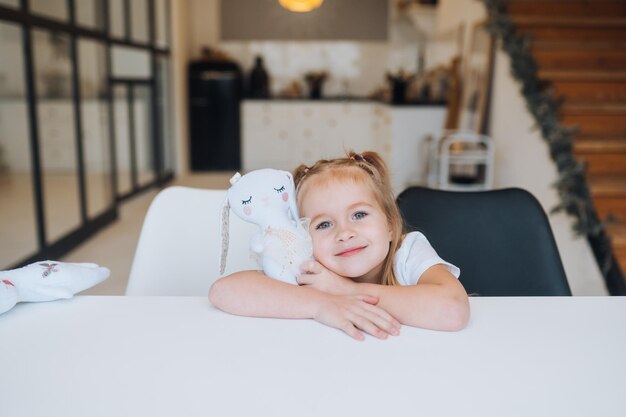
(266, 197)
(47, 281)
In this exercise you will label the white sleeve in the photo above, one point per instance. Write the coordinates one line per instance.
(414, 257)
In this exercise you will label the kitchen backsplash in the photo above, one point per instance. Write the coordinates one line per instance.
(354, 68)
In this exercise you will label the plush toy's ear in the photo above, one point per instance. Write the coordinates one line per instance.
(224, 233)
(224, 226)
(293, 207)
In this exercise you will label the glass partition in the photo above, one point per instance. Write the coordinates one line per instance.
(95, 126)
(90, 13)
(117, 18)
(85, 118)
(17, 203)
(164, 103)
(56, 9)
(142, 123)
(57, 136)
(162, 28)
(123, 150)
(139, 29)
(10, 3)
(130, 62)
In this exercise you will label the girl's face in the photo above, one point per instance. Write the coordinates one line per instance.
(350, 232)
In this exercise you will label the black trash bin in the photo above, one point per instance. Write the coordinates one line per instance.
(215, 91)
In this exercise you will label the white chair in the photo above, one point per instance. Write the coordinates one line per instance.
(180, 244)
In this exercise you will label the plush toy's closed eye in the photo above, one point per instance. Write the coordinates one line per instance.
(266, 197)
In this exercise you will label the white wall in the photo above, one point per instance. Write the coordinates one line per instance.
(203, 25)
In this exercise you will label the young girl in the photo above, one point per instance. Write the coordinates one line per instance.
(367, 275)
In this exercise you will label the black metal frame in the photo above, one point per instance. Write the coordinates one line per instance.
(28, 21)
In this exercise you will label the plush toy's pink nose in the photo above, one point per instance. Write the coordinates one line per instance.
(247, 211)
(285, 196)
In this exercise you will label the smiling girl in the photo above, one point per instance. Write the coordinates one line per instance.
(367, 274)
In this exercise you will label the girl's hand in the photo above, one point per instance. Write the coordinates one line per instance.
(354, 313)
(316, 275)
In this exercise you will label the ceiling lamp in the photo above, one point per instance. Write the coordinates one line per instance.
(300, 6)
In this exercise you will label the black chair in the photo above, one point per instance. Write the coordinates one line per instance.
(500, 239)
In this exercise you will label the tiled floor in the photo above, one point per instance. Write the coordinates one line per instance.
(114, 247)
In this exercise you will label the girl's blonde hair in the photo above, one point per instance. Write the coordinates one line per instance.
(369, 169)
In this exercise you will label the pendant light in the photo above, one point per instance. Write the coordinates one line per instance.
(300, 6)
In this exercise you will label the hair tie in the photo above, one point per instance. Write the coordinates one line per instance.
(306, 169)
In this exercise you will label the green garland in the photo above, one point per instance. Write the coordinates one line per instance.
(574, 194)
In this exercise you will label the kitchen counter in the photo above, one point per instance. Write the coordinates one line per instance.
(349, 99)
(282, 133)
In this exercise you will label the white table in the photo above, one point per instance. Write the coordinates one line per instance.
(178, 356)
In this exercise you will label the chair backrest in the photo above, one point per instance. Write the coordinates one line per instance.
(501, 239)
(180, 244)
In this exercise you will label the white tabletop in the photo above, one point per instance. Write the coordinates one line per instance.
(178, 356)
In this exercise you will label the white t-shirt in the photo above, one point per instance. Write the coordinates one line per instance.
(414, 257)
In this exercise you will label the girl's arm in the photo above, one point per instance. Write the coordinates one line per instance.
(438, 301)
(250, 293)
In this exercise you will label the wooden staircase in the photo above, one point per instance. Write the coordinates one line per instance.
(580, 46)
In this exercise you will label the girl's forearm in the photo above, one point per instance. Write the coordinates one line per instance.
(250, 293)
(429, 306)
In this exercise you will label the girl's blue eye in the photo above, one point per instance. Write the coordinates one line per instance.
(280, 190)
(248, 201)
(322, 225)
(359, 215)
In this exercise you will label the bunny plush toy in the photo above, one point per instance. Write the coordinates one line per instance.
(266, 197)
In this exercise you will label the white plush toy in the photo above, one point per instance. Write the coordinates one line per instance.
(47, 281)
(266, 197)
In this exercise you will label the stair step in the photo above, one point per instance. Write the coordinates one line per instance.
(595, 120)
(567, 7)
(572, 29)
(603, 164)
(609, 196)
(583, 76)
(608, 186)
(566, 21)
(610, 206)
(582, 60)
(620, 256)
(586, 108)
(567, 45)
(588, 144)
(618, 235)
(590, 91)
